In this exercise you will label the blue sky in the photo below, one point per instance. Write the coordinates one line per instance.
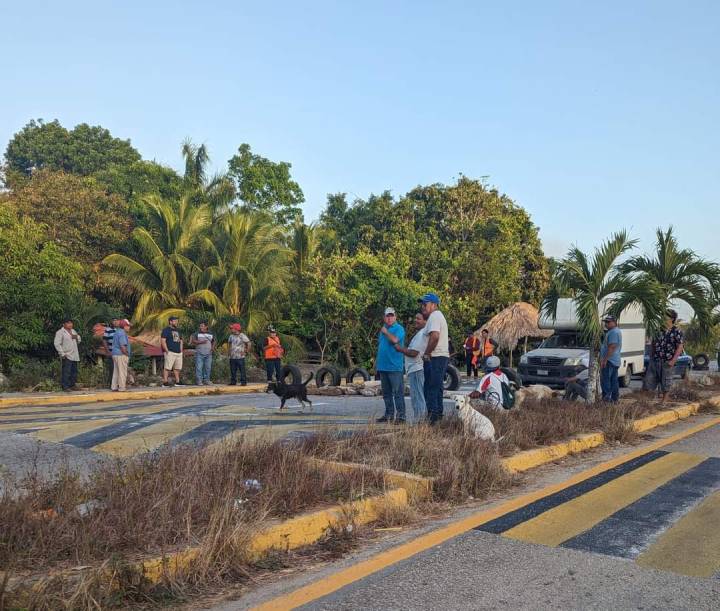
(593, 116)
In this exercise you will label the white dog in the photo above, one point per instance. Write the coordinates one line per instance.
(535, 391)
(473, 421)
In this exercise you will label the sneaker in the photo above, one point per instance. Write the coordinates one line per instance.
(399, 421)
(243, 383)
(232, 384)
(382, 420)
(180, 384)
(166, 383)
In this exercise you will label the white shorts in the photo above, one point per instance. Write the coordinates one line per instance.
(173, 360)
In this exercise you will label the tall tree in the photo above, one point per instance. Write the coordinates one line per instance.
(217, 190)
(594, 282)
(76, 212)
(82, 150)
(265, 186)
(677, 274)
(164, 275)
(250, 271)
(38, 285)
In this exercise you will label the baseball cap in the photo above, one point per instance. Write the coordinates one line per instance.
(429, 298)
(236, 326)
(271, 329)
(173, 318)
(492, 363)
(389, 311)
(125, 322)
(610, 318)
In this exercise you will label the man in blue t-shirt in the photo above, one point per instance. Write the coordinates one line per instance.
(610, 361)
(390, 365)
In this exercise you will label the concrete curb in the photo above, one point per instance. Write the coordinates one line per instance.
(416, 486)
(536, 457)
(133, 395)
(290, 534)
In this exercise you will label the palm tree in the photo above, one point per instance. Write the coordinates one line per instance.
(678, 275)
(593, 282)
(164, 274)
(303, 245)
(217, 191)
(250, 271)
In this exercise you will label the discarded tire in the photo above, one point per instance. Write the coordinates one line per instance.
(452, 378)
(513, 376)
(701, 362)
(358, 371)
(293, 371)
(327, 376)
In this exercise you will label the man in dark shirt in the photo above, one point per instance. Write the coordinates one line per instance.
(664, 352)
(107, 342)
(172, 347)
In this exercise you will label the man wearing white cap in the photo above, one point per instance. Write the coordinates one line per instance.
(389, 366)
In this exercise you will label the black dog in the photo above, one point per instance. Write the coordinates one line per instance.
(290, 391)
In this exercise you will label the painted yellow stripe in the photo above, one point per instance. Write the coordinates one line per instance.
(692, 545)
(582, 513)
(344, 577)
(60, 431)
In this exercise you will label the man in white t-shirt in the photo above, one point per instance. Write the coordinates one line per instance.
(436, 355)
(414, 366)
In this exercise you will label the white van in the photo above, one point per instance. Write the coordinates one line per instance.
(563, 355)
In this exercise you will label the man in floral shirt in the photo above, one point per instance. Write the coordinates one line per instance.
(665, 350)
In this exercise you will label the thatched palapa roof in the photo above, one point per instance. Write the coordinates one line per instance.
(516, 322)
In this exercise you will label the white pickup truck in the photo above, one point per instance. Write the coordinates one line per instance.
(563, 355)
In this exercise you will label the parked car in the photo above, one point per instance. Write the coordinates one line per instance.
(682, 365)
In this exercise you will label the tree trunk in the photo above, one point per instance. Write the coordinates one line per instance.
(511, 359)
(592, 375)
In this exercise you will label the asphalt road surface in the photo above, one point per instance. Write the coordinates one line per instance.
(641, 531)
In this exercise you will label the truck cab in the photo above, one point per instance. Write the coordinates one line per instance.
(564, 354)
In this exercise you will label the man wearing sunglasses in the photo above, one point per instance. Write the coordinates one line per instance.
(389, 366)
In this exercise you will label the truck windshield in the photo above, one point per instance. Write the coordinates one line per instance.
(563, 340)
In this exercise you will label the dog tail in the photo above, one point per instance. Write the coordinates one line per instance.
(310, 377)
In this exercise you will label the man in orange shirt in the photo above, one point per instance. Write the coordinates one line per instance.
(273, 352)
(487, 347)
(472, 346)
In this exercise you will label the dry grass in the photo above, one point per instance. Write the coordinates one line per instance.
(463, 466)
(156, 504)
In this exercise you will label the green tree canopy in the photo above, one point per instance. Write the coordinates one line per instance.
(38, 286)
(75, 212)
(82, 150)
(265, 186)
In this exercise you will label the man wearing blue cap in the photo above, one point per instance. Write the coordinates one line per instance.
(390, 365)
(437, 355)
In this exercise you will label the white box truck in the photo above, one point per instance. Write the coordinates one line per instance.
(563, 355)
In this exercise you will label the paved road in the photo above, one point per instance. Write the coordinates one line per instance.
(643, 534)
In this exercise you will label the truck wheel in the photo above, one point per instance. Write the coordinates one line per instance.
(452, 378)
(293, 371)
(627, 378)
(327, 376)
(358, 371)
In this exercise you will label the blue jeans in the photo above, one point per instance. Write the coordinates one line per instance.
(609, 383)
(435, 370)
(203, 363)
(238, 366)
(393, 391)
(273, 365)
(416, 380)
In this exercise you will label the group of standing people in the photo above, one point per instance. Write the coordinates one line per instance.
(477, 351)
(425, 359)
(665, 349)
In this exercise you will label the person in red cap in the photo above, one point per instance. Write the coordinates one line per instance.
(121, 352)
(238, 347)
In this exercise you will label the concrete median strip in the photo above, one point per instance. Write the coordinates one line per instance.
(294, 533)
(133, 395)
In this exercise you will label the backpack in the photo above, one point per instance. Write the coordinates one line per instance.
(508, 398)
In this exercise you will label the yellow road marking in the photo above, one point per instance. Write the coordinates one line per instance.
(692, 545)
(60, 431)
(582, 513)
(358, 571)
